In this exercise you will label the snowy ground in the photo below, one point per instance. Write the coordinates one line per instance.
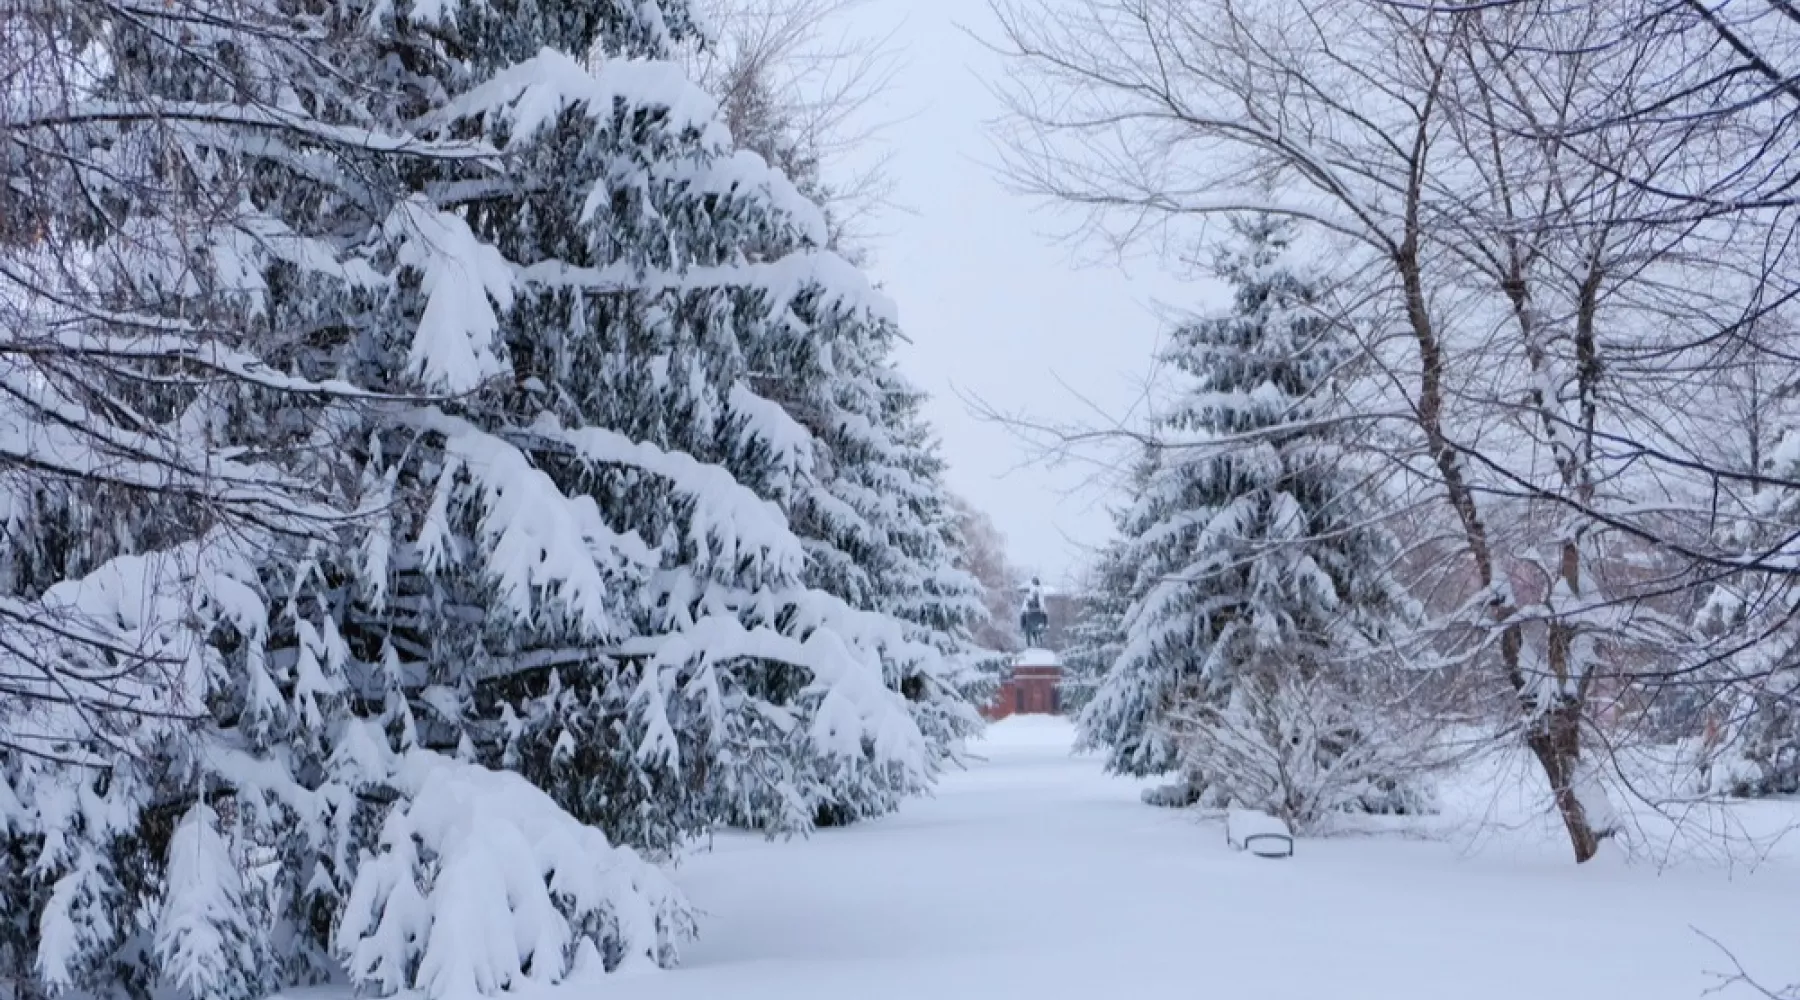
(1033, 876)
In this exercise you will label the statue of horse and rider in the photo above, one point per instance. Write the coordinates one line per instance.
(1034, 618)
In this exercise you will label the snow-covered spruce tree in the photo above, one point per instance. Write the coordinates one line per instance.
(1258, 572)
(158, 459)
(213, 781)
(641, 274)
(319, 608)
(879, 526)
(1096, 637)
(880, 535)
(241, 241)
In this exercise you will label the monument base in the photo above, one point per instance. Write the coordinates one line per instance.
(1032, 686)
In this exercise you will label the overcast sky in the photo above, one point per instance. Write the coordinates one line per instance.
(996, 307)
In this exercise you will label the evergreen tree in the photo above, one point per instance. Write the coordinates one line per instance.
(651, 281)
(1251, 552)
(1097, 635)
(175, 175)
(876, 518)
(405, 349)
(881, 535)
(1740, 719)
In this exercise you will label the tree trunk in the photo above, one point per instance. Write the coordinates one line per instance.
(1554, 735)
(1555, 738)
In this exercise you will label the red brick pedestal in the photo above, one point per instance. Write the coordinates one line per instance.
(1030, 689)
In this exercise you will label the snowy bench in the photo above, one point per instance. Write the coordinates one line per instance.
(1259, 833)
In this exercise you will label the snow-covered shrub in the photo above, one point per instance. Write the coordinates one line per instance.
(1304, 747)
(1729, 771)
(1173, 795)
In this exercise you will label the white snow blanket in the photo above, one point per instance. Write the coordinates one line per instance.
(1034, 876)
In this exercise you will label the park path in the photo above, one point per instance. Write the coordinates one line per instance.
(1032, 875)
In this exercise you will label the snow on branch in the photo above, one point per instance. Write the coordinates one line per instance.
(204, 937)
(43, 428)
(64, 319)
(165, 348)
(538, 540)
(793, 449)
(243, 250)
(842, 650)
(214, 122)
(834, 283)
(746, 171)
(101, 663)
(483, 886)
(530, 95)
(845, 651)
(456, 347)
(729, 525)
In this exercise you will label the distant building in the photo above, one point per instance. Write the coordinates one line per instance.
(1030, 688)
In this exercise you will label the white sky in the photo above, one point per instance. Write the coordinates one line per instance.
(996, 306)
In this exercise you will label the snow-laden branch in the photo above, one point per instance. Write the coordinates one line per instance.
(841, 649)
(44, 430)
(102, 664)
(216, 120)
(537, 540)
(456, 346)
(728, 525)
(482, 886)
(831, 283)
